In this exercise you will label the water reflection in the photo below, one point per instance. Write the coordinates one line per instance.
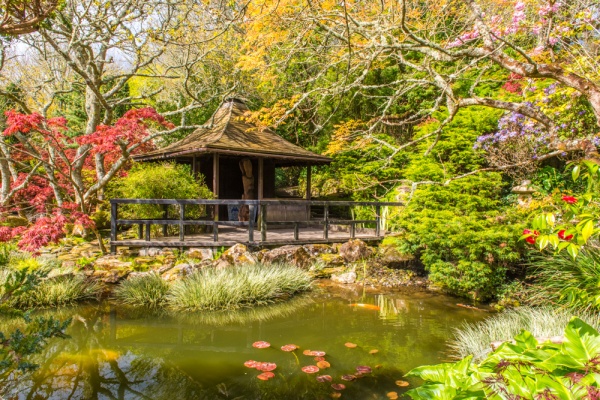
(129, 354)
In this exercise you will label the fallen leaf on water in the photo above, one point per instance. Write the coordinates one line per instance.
(348, 378)
(374, 351)
(251, 364)
(392, 395)
(261, 345)
(265, 376)
(378, 366)
(318, 353)
(324, 378)
(338, 386)
(319, 358)
(402, 383)
(336, 395)
(289, 347)
(323, 364)
(307, 353)
(350, 345)
(310, 369)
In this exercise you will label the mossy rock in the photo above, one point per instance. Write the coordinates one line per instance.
(14, 220)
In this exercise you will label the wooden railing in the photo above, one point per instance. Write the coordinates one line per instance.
(255, 206)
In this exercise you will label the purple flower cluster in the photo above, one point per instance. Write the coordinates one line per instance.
(512, 126)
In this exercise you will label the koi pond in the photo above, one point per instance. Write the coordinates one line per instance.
(351, 344)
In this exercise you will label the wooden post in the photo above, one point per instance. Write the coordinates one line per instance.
(181, 219)
(263, 222)
(296, 231)
(216, 185)
(251, 209)
(352, 230)
(215, 231)
(113, 227)
(261, 178)
(377, 221)
(326, 222)
(308, 190)
(147, 231)
(140, 231)
(165, 227)
(194, 167)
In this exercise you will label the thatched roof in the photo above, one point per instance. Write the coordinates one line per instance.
(227, 133)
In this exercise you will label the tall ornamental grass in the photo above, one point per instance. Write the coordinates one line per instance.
(235, 287)
(542, 322)
(568, 282)
(58, 291)
(148, 290)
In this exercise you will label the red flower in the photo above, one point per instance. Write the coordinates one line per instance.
(570, 199)
(530, 239)
(561, 234)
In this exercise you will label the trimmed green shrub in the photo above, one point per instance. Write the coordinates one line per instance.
(160, 181)
(238, 286)
(148, 290)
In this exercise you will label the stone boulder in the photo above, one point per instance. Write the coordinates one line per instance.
(315, 250)
(355, 250)
(200, 253)
(113, 276)
(331, 260)
(345, 278)
(289, 254)
(236, 255)
(150, 252)
(389, 256)
(109, 263)
(177, 272)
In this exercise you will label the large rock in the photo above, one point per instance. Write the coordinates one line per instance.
(177, 272)
(331, 260)
(290, 254)
(345, 278)
(150, 252)
(113, 276)
(109, 263)
(200, 253)
(236, 255)
(390, 257)
(354, 250)
(315, 250)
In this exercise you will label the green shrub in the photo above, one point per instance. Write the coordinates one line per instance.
(58, 291)
(542, 322)
(238, 286)
(559, 279)
(160, 181)
(522, 369)
(148, 290)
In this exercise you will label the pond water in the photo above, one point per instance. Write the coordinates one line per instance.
(116, 353)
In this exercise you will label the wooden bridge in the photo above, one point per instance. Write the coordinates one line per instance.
(271, 222)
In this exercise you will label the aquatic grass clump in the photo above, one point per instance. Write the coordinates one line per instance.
(148, 290)
(59, 291)
(238, 286)
(542, 322)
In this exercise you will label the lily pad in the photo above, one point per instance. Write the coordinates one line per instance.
(336, 395)
(350, 345)
(323, 364)
(363, 369)
(261, 345)
(251, 364)
(266, 366)
(392, 395)
(265, 376)
(318, 353)
(324, 378)
(319, 358)
(402, 383)
(310, 369)
(338, 386)
(348, 378)
(307, 352)
(289, 347)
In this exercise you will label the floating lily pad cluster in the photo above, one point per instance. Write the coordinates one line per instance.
(321, 364)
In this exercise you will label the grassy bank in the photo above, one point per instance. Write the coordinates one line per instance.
(216, 289)
(542, 322)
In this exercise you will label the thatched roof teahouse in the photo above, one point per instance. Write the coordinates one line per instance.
(233, 152)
